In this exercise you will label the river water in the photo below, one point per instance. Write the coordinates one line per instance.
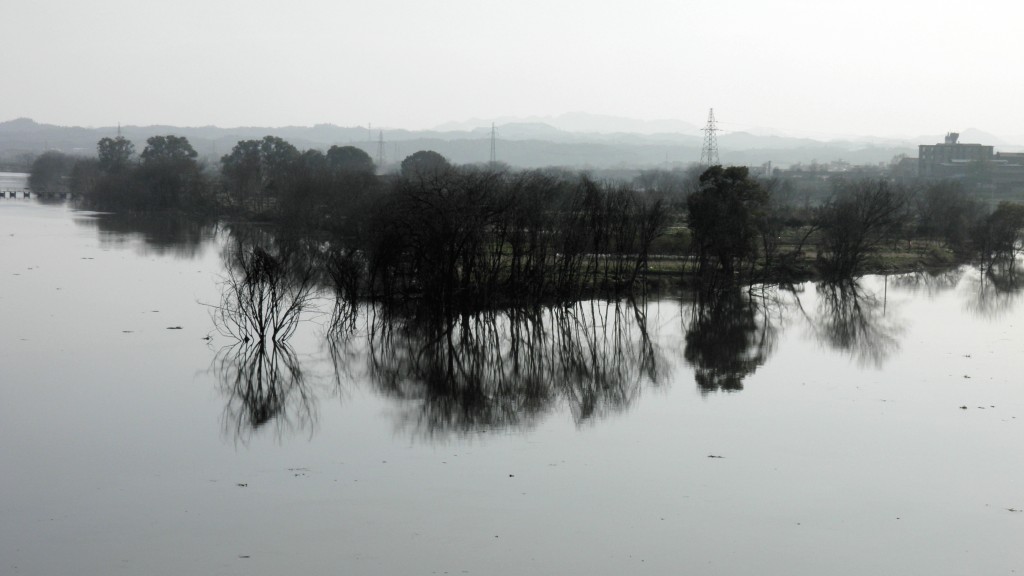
(810, 431)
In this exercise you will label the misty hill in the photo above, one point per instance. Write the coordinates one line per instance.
(520, 143)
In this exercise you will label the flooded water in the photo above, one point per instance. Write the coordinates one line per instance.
(874, 430)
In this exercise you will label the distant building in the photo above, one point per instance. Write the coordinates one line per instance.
(975, 162)
(905, 169)
(952, 159)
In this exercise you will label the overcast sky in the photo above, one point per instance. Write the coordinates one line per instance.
(811, 67)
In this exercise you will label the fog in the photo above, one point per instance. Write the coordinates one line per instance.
(800, 67)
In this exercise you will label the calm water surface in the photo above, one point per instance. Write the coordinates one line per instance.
(803, 433)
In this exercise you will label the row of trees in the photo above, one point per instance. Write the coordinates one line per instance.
(468, 235)
(451, 233)
(166, 176)
(742, 228)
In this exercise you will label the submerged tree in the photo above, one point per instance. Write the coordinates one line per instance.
(264, 294)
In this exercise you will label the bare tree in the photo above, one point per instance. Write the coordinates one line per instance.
(856, 221)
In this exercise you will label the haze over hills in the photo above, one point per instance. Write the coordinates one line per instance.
(571, 140)
(583, 123)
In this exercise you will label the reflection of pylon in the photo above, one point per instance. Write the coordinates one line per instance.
(380, 150)
(709, 153)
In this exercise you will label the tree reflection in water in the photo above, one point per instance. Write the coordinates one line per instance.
(264, 295)
(994, 291)
(497, 369)
(929, 283)
(729, 334)
(852, 320)
(177, 235)
(264, 384)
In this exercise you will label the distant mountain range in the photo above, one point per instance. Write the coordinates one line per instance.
(571, 140)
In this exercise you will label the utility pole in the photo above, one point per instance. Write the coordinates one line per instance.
(709, 152)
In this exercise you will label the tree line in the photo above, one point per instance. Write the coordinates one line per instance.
(453, 235)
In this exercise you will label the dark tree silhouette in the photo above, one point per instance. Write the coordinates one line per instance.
(342, 159)
(259, 173)
(114, 154)
(424, 164)
(50, 173)
(167, 149)
(169, 176)
(723, 216)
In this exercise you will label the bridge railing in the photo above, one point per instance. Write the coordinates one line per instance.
(12, 193)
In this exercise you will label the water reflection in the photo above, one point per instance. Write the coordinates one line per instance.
(465, 373)
(176, 235)
(499, 369)
(929, 283)
(729, 334)
(993, 291)
(855, 321)
(264, 294)
(264, 385)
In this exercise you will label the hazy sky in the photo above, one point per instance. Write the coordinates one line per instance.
(814, 67)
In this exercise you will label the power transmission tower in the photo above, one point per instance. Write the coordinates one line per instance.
(380, 150)
(494, 151)
(709, 153)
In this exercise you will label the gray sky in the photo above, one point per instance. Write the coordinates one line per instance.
(810, 67)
